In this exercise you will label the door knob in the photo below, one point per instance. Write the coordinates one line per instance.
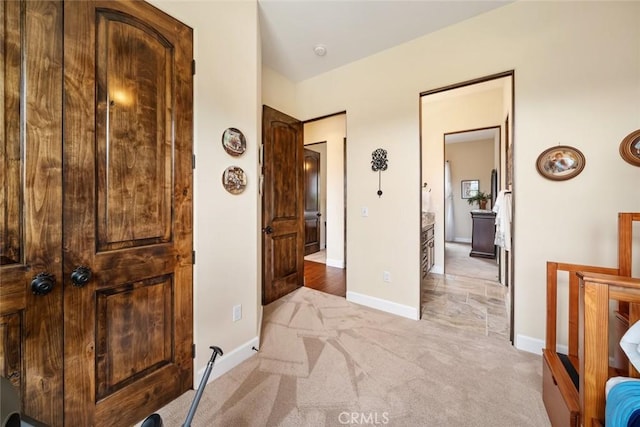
(318, 214)
(80, 276)
(43, 283)
(267, 230)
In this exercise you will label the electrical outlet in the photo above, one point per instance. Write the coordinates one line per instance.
(237, 312)
(386, 276)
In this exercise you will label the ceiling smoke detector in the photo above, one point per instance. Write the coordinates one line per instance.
(320, 50)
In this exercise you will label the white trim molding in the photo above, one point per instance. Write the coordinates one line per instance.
(228, 360)
(384, 305)
(338, 263)
(535, 345)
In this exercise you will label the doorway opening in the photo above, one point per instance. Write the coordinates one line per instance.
(325, 204)
(473, 158)
(468, 124)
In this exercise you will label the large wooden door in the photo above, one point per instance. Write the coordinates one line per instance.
(282, 205)
(311, 201)
(127, 211)
(31, 280)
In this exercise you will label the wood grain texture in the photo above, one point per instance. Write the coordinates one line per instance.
(591, 288)
(323, 278)
(11, 182)
(32, 203)
(132, 222)
(594, 353)
(283, 205)
(133, 123)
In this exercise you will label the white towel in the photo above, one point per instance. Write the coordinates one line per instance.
(502, 208)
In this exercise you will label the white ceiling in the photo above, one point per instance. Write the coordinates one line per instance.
(350, 29)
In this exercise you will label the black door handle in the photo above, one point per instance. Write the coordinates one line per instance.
(267, 230)
(80, 276)
(318, 214)
(43, 283)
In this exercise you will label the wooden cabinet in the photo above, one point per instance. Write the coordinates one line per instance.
(483, 234)
(427, 254)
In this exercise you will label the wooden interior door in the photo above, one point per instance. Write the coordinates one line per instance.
(127, 211)
(311, 201)
(282, 205)
(31, 280)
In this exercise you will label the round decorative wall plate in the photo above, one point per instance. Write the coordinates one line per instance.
(234, 180)
(234, 142)
(560, 163)
(630, 148)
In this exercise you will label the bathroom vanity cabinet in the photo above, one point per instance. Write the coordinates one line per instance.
(427, 250)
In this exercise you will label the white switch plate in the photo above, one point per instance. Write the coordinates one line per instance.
(237, 312)
(386, 276)
(364, 211)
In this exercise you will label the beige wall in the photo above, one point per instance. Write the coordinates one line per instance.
(468, 160)
(577, 82)
(226, 226)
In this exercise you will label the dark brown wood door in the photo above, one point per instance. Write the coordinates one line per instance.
(31, 205)
(127, 211)
(311, 201)
(282, 205)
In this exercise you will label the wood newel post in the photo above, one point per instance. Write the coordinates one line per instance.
(594, 349)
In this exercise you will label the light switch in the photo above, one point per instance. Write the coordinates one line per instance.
(364, 211)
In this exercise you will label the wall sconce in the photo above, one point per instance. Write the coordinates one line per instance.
(379, 163)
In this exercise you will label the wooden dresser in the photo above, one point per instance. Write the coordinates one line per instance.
(483, 234)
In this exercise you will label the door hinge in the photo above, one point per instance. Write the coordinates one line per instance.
(193, 67)
(193, 161)
(193, 257)
(193, 351)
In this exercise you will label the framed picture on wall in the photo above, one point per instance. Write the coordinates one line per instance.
(630, 148)
(560, 163)
(469, 188)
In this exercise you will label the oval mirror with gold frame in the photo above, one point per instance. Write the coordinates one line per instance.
(630, 148)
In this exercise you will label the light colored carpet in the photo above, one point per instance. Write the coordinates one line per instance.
(327, 362)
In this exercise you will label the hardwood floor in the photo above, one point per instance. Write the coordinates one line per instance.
(320, 277)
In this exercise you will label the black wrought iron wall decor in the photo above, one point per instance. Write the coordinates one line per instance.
(379, 163)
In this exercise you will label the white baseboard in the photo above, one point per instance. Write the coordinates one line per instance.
(535, 345)
(228, 361)
(338, 263)
(462, 240)
(437, 269)
(384, 305)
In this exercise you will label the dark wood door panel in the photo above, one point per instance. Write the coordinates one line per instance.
(311, 201)
(134, 73)
(11, 183)
(31, 203)
(10, 348)
(283, 205)
(134, 332)
(128, 210)
(285, 197)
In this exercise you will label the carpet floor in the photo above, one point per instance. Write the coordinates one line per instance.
(325, 361)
